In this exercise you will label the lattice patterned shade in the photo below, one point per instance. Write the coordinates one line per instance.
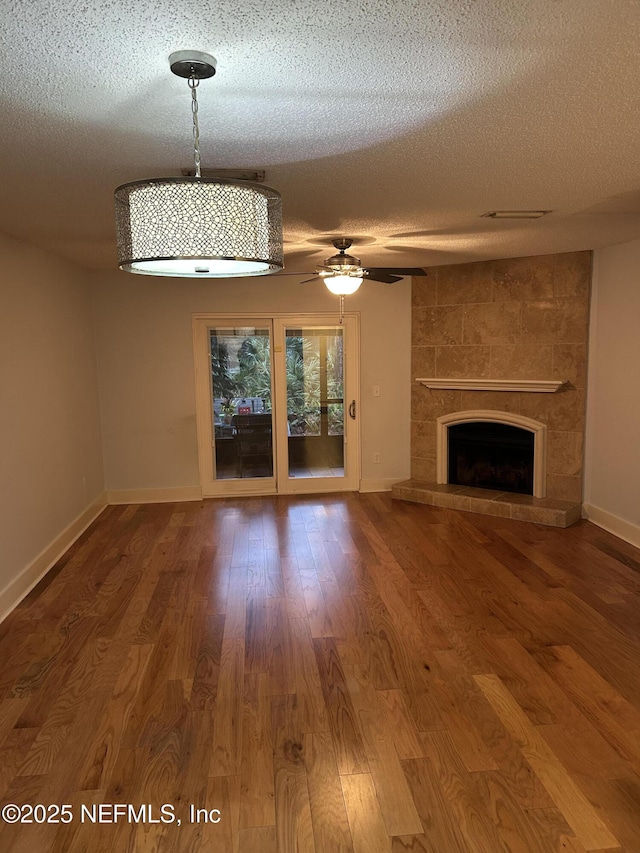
(213, 228)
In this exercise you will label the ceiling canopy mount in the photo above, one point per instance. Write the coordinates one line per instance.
(192, 63)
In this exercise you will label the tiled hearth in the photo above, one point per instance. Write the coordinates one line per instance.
(549, 511)
(514, 320)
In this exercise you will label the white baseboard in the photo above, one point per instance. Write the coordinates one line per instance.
(379, 485)
(618, 526)
(22, 585)
(154, 496)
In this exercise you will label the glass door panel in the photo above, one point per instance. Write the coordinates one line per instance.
(315, 401)
(241, 402)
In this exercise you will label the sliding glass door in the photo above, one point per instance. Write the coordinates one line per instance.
(277, 410)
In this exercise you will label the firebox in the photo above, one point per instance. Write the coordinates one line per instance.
(491, 455)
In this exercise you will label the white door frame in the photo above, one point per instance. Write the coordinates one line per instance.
(280, 483)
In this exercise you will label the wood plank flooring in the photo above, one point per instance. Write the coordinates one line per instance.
(335, 674)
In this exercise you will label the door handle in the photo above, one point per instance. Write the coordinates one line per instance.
(352, 410)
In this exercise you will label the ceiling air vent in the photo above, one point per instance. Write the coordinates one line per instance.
(515, 214)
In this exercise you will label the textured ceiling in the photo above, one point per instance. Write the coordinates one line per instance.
(397, 122)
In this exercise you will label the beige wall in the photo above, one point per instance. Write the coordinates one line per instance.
(519, 318)
(612, 488)
(145, 358)
(51, 467)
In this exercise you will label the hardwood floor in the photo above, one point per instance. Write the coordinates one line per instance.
(336, 673)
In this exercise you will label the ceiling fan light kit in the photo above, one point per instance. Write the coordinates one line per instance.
(198, 227)
(342, 273)
(342, 284)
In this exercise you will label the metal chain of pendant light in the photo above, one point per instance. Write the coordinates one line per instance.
(193, 226)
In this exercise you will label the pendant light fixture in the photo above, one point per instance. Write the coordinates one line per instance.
(193, 226)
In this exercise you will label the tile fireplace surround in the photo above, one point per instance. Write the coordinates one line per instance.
(483, 327)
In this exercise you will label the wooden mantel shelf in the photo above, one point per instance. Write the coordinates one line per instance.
(543, 386)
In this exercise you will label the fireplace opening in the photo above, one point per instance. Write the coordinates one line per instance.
(491, 456)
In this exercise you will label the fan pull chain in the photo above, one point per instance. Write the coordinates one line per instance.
(341, 308)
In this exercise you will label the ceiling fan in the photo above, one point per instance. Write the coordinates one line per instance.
(343, 274)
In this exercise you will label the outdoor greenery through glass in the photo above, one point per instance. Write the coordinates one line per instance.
(241, 377)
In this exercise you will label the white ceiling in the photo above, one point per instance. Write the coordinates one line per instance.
(397, 122)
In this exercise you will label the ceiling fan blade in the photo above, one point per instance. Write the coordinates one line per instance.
(380, 275)
(399, 270)
(307, 280)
